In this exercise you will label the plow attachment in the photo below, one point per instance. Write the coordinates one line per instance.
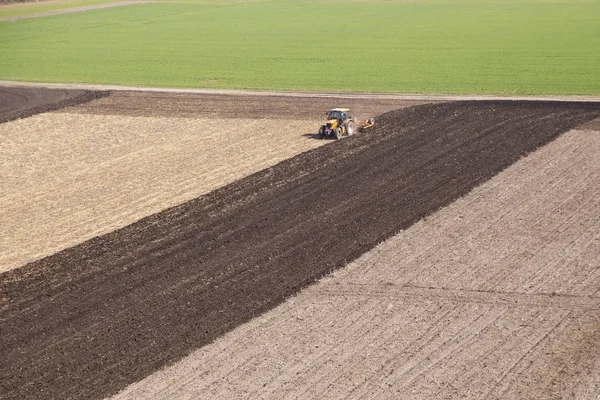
(363, 125)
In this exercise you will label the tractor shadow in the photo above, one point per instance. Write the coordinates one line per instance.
(314, 136)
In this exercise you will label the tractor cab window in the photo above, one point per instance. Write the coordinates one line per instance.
(336, 115)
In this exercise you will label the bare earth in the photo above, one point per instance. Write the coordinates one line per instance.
(496, 296)
(69, 177)
(87, 322)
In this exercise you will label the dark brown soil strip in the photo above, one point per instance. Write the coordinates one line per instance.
(86, 322)
(18, 102)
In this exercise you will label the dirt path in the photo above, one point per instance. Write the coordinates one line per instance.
(495, 297)
(88, 321)
(73, 10)
(332, 95)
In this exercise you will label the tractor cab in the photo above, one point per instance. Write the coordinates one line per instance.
(338, 114)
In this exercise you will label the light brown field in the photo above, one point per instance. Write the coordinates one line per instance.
(496, 296)
(69, 177)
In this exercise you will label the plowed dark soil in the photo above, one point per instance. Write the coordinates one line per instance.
(18, 102)
(92, 319)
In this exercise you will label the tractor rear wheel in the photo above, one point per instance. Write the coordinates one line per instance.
(338, 133)
(350, 128)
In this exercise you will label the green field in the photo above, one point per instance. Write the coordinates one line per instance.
(453, 46)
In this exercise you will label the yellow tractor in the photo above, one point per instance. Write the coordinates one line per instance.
(340, 124)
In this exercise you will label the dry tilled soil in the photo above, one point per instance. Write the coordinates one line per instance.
(94, 318)
(496, 296)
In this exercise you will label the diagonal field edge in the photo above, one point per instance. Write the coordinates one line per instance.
(22, 102)
(86, 322)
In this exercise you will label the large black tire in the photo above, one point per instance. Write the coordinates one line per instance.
(350, 128)
(338, 133)
(321, 133)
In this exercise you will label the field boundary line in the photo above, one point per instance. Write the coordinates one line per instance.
(268, 93)
(516, 299)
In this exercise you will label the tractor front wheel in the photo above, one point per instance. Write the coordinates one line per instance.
(321, 133)
(338, 133)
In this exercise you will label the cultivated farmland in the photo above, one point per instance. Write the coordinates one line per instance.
(84, 171)
(494, 296)
(486, 284)
(164, 243)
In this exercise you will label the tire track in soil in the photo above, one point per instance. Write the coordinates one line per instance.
(388, 290)
(88, 321)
